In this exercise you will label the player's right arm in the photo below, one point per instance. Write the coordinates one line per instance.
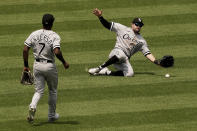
(25, 57)
(27, 46)
(104, 22)
(112, 26)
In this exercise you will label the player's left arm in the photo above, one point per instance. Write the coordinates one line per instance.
(59, 55)
(57, 51)
(145, 50)
(151, 57)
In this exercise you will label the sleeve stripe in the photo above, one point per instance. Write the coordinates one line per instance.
(27, 44)
(56, 46)
(112, 26)
(146, 53)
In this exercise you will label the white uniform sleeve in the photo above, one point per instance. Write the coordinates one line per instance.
(56, 42)
(145, 50)
(116, 27)
(29, 40)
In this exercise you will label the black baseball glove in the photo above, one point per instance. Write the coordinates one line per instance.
(27, 78)
(165, 61)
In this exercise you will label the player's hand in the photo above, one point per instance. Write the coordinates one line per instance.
(26, 69)
(66, 65)
(97, 12)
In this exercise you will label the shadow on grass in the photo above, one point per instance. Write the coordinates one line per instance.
(120, 119)
(138, 73)
(145, 73)
(116, 119)
(151, 73)
(56, 123)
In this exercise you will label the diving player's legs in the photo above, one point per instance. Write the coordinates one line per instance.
(117, 57)
(124, 69)
(110, 61)
(123, 66)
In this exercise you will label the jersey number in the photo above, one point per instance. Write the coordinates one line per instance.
(43, 45)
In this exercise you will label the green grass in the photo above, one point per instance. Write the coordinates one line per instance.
(146, 102)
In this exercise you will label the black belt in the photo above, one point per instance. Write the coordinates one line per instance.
(40, 60)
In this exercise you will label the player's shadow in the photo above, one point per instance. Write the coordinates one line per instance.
(145, 73)
(150, 73)
(57, 122)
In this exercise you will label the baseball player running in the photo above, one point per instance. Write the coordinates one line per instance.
(45, 43)
(128, 42)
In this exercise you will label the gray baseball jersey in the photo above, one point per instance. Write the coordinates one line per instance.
(43, 42)
(128, 41)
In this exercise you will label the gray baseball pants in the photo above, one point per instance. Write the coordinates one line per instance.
(45, 72)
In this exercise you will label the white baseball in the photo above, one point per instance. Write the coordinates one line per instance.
(167, 75)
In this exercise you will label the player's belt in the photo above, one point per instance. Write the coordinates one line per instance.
(41, 60)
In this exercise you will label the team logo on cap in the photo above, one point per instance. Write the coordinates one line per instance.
(139, 20)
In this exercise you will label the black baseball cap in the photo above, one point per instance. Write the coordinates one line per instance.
(48, 19)
(138, 20)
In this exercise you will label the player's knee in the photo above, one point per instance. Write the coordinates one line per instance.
(129, 74)
(40, 92)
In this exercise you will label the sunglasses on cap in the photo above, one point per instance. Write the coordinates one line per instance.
(138, 24)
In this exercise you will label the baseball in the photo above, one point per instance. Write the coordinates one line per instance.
(167, 75)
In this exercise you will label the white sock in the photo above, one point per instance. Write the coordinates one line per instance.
(108, 72)
(35, 100)
(100, 67)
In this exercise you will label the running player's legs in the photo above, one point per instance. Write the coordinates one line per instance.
(52, 82)
(39, 88)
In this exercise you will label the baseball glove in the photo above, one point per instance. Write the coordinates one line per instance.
(165, 61)
(27, 78)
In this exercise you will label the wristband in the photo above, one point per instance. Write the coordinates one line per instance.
(26, 64)
(156, 62)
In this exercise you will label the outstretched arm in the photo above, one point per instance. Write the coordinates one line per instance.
(105, 23)
(152, 59)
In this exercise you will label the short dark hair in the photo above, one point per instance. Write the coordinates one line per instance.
(47, 20)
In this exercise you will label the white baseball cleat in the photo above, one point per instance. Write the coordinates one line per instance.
(93, 71)
(104, 71)
(52, 119)
(32, 112)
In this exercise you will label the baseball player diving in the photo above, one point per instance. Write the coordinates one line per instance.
(128, 42)
(45, 44)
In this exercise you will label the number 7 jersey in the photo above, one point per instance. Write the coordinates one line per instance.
(43, 42)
